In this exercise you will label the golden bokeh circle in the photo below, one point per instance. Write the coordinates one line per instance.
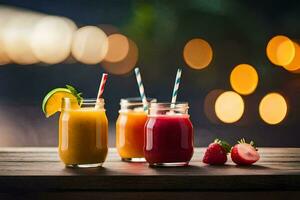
(281, 50)
(125, 65)
(229, 107)
(294, 65)
(244, 79)
(273, 108)
(118, 48)
(197, 53)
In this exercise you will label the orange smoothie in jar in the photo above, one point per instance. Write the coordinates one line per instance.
(130, 130)
(83, 133)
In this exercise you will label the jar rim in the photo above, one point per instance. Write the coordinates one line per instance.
(85, 100)
(168, 106)
(135, 100)
(179, 103)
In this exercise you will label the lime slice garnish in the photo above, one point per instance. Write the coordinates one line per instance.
(53, 100)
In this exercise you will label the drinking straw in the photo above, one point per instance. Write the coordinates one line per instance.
(141, 88)
(176, 86)
(102, 84)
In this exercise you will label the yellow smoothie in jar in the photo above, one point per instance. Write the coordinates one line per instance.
(130, 129)
(130, 134)
(83, 133)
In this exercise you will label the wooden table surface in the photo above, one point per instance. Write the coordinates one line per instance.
(29, 171)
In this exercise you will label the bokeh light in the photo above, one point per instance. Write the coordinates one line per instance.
(294, 65)
(284, 52)
(4, 59)
(17, 34)
(52, 39)
(127, 64)
(90, 45)
(281, 50)
(197, 53)
(118, 48)
(209, 105)
(273, 108)
(229, 107)
(6, 14)
(244, 79)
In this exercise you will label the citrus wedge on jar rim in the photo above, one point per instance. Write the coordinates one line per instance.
(53, 100)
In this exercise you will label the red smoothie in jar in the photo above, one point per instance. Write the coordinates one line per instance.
(168, 135)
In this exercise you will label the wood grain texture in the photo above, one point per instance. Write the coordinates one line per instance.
(257, 195)
(39, 169)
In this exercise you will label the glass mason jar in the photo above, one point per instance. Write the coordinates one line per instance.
(130, 129)
(83, 133)
(169, 135)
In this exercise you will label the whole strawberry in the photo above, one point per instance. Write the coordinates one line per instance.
(244, 153)
(216, 153)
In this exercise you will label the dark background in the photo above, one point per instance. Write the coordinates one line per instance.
(238, 31)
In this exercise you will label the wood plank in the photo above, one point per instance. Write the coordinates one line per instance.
(40, 169)
(42, 152)
(54, 149)
(152, 195)
(150, 183)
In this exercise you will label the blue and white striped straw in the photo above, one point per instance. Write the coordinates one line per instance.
(141, 88)
(176, 86)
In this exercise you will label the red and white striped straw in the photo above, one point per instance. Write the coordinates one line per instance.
(102, 85)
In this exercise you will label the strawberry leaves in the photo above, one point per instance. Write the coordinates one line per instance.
(224, 144)
(243, 141)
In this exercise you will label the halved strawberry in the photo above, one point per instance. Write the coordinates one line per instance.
(216, 153)
(244, 153)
